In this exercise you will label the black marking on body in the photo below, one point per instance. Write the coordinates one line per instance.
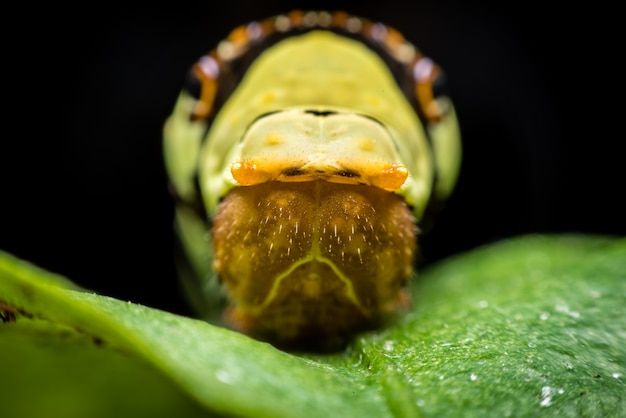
(293, 172)
(193, 85)
(321, 113)
(348, 174)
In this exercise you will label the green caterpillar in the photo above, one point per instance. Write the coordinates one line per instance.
(302, 153)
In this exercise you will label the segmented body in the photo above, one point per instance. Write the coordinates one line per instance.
(302, 152)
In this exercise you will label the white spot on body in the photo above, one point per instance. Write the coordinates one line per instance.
(254, 30)
(226, 50)
(209, 66)
(353, 24)
(324, 19)
(423, 69)
(310, 18)
(282, 23)
(405, 53)
(378, 32)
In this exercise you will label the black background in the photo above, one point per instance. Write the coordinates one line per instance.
(537, 92)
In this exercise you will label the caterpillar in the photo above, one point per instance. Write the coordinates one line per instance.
(303, 153)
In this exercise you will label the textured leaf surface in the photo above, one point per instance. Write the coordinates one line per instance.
(534, 326)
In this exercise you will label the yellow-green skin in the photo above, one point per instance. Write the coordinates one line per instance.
(323, 71)
(373, 126)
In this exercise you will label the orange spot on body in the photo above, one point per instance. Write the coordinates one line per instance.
(391, 177)
(238, 36)
(394, 38)
(340, 19)
(204, 106)
(247, 173)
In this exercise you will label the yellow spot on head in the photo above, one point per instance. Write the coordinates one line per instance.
(274, 139)
(366, 144)
(268, 98)
(373, 101)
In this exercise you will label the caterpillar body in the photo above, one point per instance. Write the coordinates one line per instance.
(303, 152)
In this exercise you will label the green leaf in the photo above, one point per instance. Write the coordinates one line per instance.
(534, 326)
